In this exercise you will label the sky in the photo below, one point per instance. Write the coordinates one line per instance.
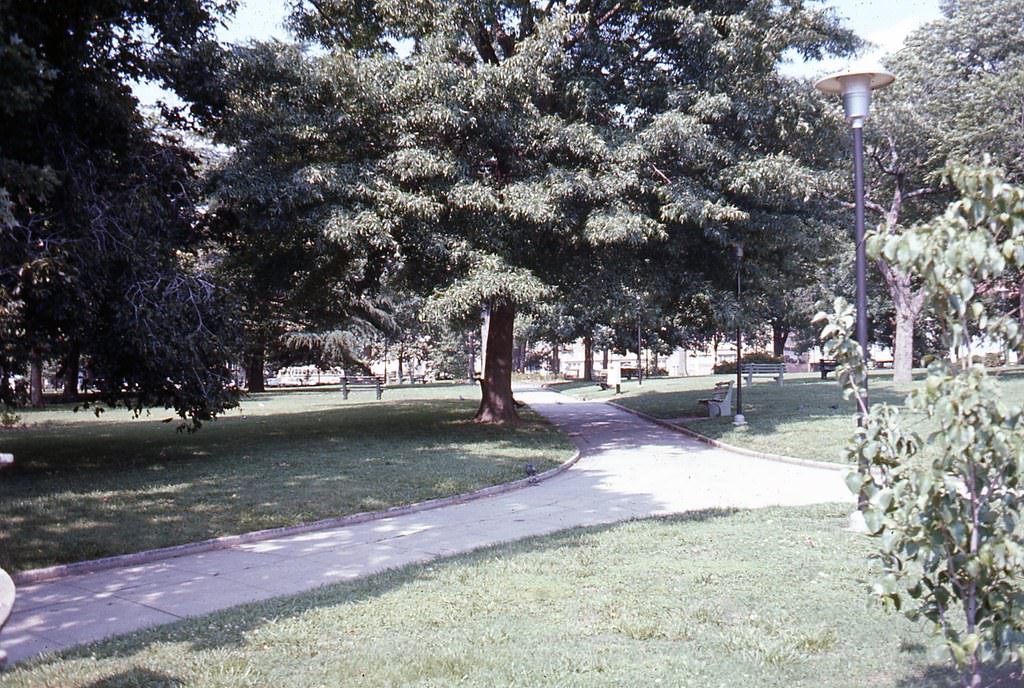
(882, 22)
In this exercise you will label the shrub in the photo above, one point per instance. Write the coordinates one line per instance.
(752, 357)
(949, 544)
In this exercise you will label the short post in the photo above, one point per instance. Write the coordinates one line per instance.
(615, 377)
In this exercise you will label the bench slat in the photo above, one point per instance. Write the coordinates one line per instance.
(775, 370)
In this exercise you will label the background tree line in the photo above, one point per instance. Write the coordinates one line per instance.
(571, 167)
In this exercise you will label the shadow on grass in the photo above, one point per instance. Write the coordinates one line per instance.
(138, 677)
(945, 676)
(228, 629)
(88, 491)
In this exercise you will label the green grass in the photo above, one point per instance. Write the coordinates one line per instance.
(761, 598)
(805, 418)
(84, 487)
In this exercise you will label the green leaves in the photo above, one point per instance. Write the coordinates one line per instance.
(977, 242)
(489, 279)
(947, 521)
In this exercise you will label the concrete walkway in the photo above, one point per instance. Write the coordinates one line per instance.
(629, 468)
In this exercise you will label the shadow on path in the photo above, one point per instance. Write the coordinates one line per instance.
(630, 468)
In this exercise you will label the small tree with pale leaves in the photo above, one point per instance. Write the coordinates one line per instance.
(946, 509)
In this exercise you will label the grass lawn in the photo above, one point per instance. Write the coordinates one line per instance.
(759, 598)
(806, 417)
(84, 487)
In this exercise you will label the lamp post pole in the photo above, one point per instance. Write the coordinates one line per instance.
(739, 419)
(861, 263)
(855, 87)
(639, 362)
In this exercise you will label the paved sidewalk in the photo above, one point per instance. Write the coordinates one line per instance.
(629, 468)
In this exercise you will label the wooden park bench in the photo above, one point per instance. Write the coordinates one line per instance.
(720, 401)
(826, 366)
(355, 382)
(774, 370)
(630, 372)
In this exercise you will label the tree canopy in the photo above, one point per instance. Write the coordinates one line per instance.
(99, 204)
(531, 141)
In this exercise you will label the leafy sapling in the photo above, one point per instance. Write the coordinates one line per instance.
(946, 511)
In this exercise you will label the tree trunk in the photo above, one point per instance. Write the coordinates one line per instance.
(72, 367)
(556, 364)
(517, 356)
(35, 381)
(780, 332)
(254, 371)
(908, 304)
(496, 403)
(1020, 300)
(471, 361)
(401, 364)
(588, 358)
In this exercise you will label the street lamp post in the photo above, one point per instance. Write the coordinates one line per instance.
(639, 363)
(739, 419)
(855, 88)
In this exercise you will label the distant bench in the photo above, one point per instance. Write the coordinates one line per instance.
(354, 382)
(720, 399)
(826, 366)
(774, 370)
(407, 380)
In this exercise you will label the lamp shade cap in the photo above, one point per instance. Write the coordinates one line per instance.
(837, 84)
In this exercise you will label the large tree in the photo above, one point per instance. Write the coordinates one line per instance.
(302, 131)
(958, 96)
(531, 134)
(100, 258)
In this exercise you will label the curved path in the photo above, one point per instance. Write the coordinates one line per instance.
(629, 468)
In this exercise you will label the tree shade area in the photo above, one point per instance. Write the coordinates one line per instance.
(100, 259)
(402, 171)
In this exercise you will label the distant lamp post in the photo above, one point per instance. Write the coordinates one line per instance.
(639, 362)
(856, 88)
(739, 419)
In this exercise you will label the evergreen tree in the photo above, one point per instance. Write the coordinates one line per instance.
(99, 253)
(528, 136)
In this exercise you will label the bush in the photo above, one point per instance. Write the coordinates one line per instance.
(752, 357)
(950, 549)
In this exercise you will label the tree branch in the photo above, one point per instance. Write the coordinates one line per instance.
(481, 38)
(335, 29)
(661, 174)
(924, 191)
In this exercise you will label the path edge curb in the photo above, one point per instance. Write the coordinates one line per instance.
(52, 573)
(780, 458)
